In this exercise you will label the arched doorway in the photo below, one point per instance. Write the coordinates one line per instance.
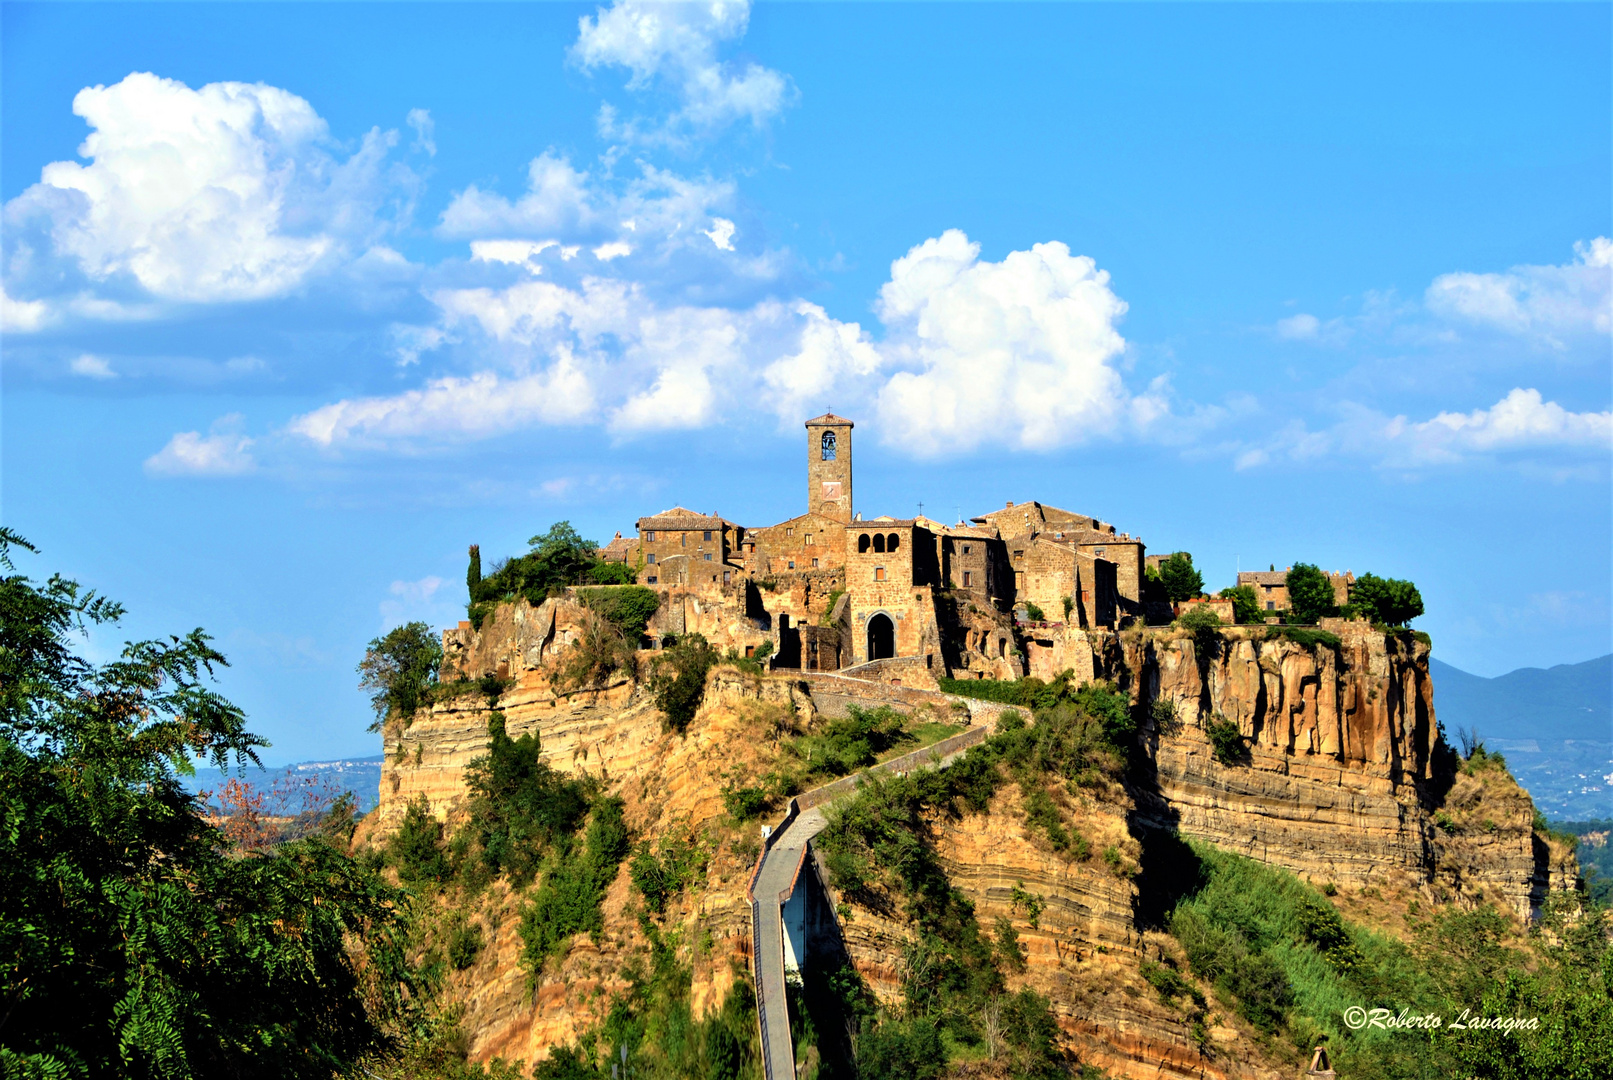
(881, 637)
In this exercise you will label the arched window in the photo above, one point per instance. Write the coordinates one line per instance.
(879, 542)
(862, 543)
(892, 542)
(827, 446)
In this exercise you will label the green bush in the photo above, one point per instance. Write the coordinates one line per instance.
(1245, 604)
(679, 682)
(574, 884)
(1226, 740)
(520, 809)
(1310, 593)
(853, 742)
(399, 669)
(1199, 618)
(744, 803)
(600, 652)
(1033, 612)
(464, 944)
(1305, 636)
(416, 849)
(1387, 601)
(626, 607)
(660, 876)
(1180, 580)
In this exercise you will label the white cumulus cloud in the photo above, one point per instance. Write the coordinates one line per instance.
(721, 233)
(558, 202)
(222, 452)
(1019, 351)
(228, 192)
(1546, 302)
(1520, 420)
(675, 46)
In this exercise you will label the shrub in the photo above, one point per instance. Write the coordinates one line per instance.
(464, 944)
(853, 742)
(679, 682)
(1033, 612)
(1307, 637)
(593, 658)
(416, 848)
(1069, 606)
(1009, 949)
(400, 668)
(1388, 601)
(661, 876)
(1310, 593)
(519, 808)
(1180, 580)
(1245, 604)
(626, 607)
(473, 573)
(1227, 741)
(568, 902)
(744, 803)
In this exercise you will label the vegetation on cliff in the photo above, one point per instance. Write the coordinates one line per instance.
(135, 939)
(399, 670)
(557, 558)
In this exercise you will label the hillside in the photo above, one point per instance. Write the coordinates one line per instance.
(1555, 726)
(1184, 868)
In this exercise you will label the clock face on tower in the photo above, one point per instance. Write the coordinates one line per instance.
(832, 489)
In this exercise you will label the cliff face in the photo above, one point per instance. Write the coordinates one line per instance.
(1342, 780)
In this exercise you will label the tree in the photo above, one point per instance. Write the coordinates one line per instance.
(133, 940)
(399, 668)
(473, 574)
(1181, 581)
(679, 682)
(564, 556)
(1388, 601)
(1245, 604)
(1310, 593)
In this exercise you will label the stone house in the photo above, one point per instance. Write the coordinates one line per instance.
(681, 547)
(1271, 586)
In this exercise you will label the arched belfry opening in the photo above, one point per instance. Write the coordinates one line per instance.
(881, 637)
(826, 447)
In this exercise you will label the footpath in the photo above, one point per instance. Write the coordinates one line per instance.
(778, 873)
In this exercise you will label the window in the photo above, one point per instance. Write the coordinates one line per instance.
(1019, 554)
(879, 573)
(892, 542)
(651, 579)
(826, 446)
(650, 536)
(814, 564)
(879, 542)
(808, 538)
(1019, 581)
(966, 549)
(683, 539)
(650, 558)
(1098, 552)
(727, 576)
(789, 532)
(968, 579)
(862, 543)
(707, 536)
(1271, 605)
(708, 556)
(792, 564)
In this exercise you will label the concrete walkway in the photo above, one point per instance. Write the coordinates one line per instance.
(775, 880)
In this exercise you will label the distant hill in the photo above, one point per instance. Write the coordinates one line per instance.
(1569, 701)
(1555, 726)
(361, 776)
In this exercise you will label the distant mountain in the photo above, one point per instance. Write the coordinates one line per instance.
(1569, 701)
(1554, 725)
(361, 776)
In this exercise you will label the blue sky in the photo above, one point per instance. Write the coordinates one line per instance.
(300, 300)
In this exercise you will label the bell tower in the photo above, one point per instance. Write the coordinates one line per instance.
(829, 466)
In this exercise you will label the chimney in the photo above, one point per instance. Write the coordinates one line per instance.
(1010, 505)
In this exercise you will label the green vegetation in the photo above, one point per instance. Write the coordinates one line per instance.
(400, 671)
(1227, 741)
(679, 682)
(829, 610)
(135, 939)
(1301, 635)
(877, 845)
(1180, 580)
(1034, 613)
(1310, 594)
(568, 901)
(626, 607)
(652, 1022)
(853, 742)
(1245, 604)
(661, 875)
(1386, 601)
(1595, 851)
(1098, 699)
(1279, 953)
(558, 558)
(473, 572)
(519, 810)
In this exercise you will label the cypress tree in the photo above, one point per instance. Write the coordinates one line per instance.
(473, 576)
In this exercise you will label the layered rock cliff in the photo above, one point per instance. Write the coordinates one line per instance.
(1341, 779)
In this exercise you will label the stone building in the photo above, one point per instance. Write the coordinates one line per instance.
(829, 467)
(1271, 586)
(1087, 540)
(681, 547)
